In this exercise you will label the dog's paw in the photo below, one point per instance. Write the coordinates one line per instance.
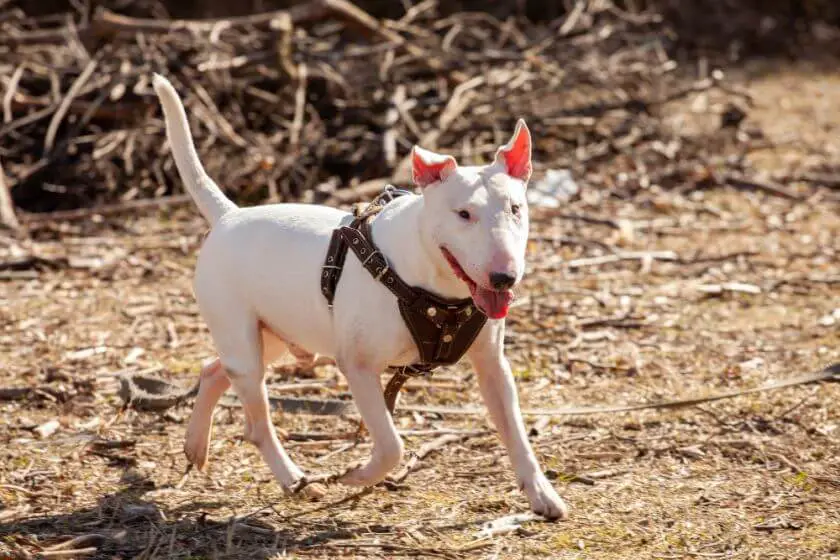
(196, 449)
(364, 475)
(309, 487)
(544, 499)
(313, 491)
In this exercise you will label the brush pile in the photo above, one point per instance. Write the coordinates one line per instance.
(323, 101)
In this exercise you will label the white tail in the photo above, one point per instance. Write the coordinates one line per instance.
(210, 199)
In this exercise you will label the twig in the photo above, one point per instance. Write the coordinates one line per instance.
(718, 258)
(593, 365)
(7, 208)
(741, 182)
(93, 539)
(106, 21)
(790, 409)
(627, 256)
(68, 553)
(300, 105)
(77, 85)
(220, 119)
(579, 218)
(351, 13)
(388, 547)
(457, 104)
(11, 88)
(350, 498)
(831, 181)
(831, 373)
(737, 287)
(357, 193)
(426, 449)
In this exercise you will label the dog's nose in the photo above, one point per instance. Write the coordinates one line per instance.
(502, 280)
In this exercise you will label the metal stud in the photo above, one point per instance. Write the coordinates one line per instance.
(431, 312)
(447, 338)
(468, 311)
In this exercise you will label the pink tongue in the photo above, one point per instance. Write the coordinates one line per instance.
(494, 304)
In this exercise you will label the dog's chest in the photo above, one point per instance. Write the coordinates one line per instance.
(368, 324)
(439, 331)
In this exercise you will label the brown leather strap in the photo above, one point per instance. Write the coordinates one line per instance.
(358, 239)
(333, 266)
(337, 250)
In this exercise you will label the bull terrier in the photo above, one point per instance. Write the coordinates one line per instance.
(257, 287)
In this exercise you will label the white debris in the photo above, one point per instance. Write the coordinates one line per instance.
(555, 188)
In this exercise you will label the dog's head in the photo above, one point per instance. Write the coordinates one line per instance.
(477, 217)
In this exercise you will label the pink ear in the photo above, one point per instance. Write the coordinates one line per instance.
(429, 167)
(516, 154)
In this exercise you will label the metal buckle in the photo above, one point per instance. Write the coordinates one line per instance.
(364, 262)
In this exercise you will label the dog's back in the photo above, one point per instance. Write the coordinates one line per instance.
(271, 256)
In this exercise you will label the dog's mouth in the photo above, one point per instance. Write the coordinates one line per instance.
(493, 303)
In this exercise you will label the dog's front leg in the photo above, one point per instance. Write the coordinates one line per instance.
(498, 390)
(387, 445)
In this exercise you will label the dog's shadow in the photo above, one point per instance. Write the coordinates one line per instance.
(125, 524)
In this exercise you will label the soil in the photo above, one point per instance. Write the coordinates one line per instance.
(756, 476)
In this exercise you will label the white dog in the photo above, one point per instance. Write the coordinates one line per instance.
(257, 287)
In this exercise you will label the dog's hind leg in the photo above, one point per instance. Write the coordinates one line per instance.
(212, 385)
(239, 342)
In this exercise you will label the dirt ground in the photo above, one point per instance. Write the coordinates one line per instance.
(716, 289)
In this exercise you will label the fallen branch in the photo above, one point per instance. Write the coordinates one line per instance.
(831, 373)
(132, 207)
(740, 182)
(68, 553)
(107, 22)
(619, 321)
(736, 287)
(627, 256)
(144, 392)
(829, 181)
(595, 220)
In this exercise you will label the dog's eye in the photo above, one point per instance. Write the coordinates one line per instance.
(464, 215)
(515, 209)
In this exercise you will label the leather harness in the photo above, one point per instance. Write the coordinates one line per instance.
(442, 329)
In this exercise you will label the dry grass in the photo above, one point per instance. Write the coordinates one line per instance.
(751, 477)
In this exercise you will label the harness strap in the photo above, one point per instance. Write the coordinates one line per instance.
(442, 329)
(337, 250)
(333, 266)
(358, 239)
